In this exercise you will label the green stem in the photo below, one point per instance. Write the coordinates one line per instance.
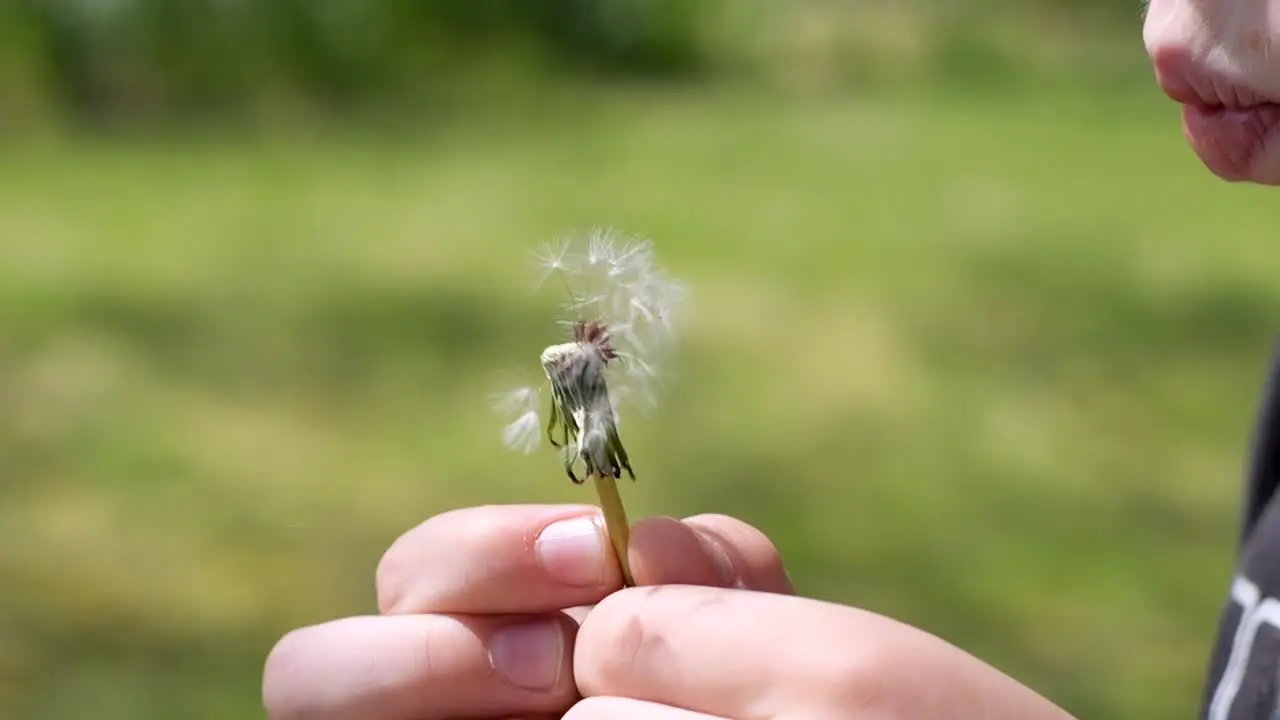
(615, 523)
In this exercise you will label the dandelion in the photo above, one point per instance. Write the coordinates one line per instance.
(621, 315)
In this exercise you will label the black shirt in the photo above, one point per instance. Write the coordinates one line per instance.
(1244, 673)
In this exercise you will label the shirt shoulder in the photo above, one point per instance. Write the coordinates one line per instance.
(1244, 670)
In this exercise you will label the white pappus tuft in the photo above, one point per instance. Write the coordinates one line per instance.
(622, 312)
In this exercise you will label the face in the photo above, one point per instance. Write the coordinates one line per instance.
(1220, 60)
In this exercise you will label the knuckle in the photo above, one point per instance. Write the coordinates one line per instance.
(614, 638)
(278, 695)
(754, 556)
(870, 678)
(629, 634)
(720, 519)
(402, 562)
(859, 681)
(746, 537)
(415, 557)
(392, 574)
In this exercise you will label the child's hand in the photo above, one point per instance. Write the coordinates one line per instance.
(471, 620)
(684, 653)
(479, 620)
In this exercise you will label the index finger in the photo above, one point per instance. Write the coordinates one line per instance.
(498, 559)
(539, 558)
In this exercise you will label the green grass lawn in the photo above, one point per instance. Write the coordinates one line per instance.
(988, 367)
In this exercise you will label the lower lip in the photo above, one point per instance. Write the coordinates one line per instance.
(1234, 144)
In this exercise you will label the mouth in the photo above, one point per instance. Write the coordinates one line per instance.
(1231, 127)
(1233, 142)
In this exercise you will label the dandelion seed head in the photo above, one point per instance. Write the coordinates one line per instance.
(620, 313)
(600, 248)
(594, 442)
(554, 257)
(616, 280)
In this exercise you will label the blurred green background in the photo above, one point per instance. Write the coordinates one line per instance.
(974, 337)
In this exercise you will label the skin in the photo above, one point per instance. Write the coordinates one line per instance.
(1218, 59)
(714, 629)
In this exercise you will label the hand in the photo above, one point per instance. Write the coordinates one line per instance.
(478, 611)
(684, 653)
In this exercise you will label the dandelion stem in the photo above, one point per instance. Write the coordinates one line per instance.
(615, 523)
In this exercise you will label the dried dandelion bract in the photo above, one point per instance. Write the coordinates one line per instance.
(619, 320)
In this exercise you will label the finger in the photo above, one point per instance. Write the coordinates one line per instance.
(421, 667)
(617, 708)
(745, 654)
(579, 613)
(753, 561)
(499, 559)
(721, 651)
(538, 558)
(721, 551)
(712, 550)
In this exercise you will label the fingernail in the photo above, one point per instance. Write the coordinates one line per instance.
(572, 551)
(529, 656)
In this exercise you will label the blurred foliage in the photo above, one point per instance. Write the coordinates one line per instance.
(142, 62)
(138, 58)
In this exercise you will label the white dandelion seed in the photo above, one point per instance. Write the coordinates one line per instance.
(622, 310)
(522, 404)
